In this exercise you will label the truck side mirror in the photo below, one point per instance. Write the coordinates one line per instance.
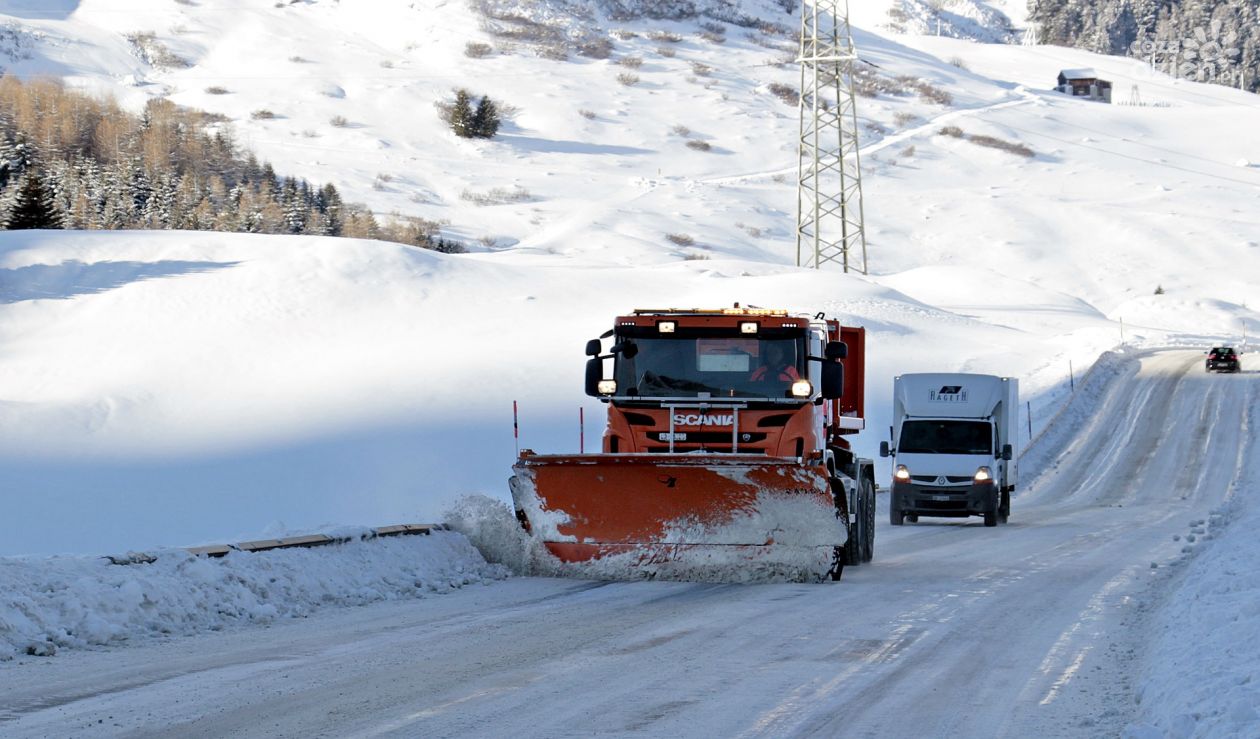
(1008, 453)
(836, 350)
(884, 451)
(627, 349)
(593, 348)
(594, 374)
(832, 379)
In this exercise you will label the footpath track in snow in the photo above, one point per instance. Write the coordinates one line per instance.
(954, 630)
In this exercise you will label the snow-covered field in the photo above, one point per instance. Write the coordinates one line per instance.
(169, 389)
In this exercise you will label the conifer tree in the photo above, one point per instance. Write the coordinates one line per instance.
(461, 115)
(328, 203)
(485, 121)
(33, 206)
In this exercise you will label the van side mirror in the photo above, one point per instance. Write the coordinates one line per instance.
(1008, 453)
(593, 348)
(832, 380)
(836, 350)
(884, 451)
(594, 373)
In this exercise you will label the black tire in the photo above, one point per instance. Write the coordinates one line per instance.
(1004, 508)
(854, 545)
(896, 517)
(991, 518)
(912, 517)
(868, 494)
(837, 564)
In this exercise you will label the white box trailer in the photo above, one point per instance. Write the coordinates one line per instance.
(953, 446)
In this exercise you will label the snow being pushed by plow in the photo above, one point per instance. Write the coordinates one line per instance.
(797, 543)
(52, 603)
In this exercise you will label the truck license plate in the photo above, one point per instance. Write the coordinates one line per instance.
(677, 436)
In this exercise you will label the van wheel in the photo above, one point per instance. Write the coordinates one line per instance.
(991, 518)
(896, 517)
(912, 517)
(1004, 508)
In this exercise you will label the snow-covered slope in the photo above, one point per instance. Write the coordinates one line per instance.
(174, 369)
(175, 388)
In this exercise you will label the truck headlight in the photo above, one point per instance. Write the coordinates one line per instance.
(802, 389)
(984, 474)
(606, 387)
(902, 473)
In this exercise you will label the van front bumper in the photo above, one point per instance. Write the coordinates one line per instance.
(955, 501)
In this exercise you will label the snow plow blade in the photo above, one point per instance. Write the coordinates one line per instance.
(681, 516)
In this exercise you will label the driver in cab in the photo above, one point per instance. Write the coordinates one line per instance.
(776, 365)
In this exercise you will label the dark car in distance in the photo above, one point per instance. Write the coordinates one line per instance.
(1223, 359)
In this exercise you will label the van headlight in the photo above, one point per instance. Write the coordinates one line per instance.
(902, 473)
(984, 474)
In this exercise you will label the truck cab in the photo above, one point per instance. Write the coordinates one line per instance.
(740, 381)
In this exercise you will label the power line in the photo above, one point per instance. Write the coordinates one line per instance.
(1252, 183)
(1161, 149)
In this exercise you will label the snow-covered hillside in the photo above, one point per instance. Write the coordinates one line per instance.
(204, 385)
(165, 389)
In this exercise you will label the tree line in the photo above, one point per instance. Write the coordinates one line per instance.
(1207, 40)
(69, 160)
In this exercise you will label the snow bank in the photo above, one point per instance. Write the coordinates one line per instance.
(1042, 453)
(1201, 677)
(50, 603)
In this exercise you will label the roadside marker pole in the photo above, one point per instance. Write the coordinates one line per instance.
(1030, 421)
(581, 430)
(516, 429)
(1071, 376)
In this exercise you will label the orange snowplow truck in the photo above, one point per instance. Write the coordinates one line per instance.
(725, 446)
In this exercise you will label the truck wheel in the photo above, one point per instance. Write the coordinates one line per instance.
(837, 564)
(853, 547)
(912, 517)
(868, 495)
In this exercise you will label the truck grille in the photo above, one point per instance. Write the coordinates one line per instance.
(708, 437)
(684, 448)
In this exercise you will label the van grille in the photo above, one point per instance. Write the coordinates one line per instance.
(954, 479)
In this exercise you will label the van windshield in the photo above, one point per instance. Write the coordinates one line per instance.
(946, 437)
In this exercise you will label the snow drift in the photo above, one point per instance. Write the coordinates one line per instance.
(46, 604)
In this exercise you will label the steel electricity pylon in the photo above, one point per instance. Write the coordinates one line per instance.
(829, 222)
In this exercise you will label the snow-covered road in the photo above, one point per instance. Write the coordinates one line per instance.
(955, 630)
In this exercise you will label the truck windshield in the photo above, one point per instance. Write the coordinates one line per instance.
(686, 367)
(946, 437)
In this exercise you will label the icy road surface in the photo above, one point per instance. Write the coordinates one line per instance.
(955, 630)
